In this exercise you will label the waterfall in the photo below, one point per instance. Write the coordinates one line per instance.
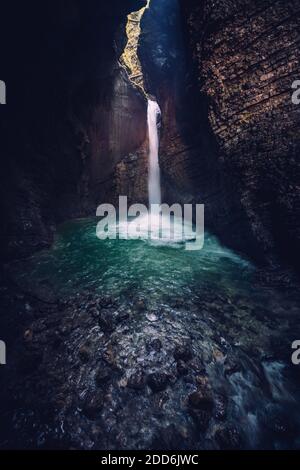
(154, 170)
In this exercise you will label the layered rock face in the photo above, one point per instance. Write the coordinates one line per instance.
(222, 73)
(162, 57)
(71, 113)
(246, 55)
(129, 178)
(188, 150)
(117, 128)
(126, 129)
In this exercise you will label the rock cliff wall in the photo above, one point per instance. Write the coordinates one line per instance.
(246, 57)
(188, 149)
(71, 113)
(222, 72)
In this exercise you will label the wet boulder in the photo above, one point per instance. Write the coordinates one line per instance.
(196, 365)
(182, 368)
(152, 317)
(106, 322)
(137, 380)
(158, 381)
(200, 406)
(203, 384)
(154, 345)
(201, 418)
(93, 405)
(122, 316)
(105, 302)
(200, 400)
(140, 305)
(103, 375)
(94, 311)
(84, 353)
(171, 437)
(183, 352)
(228, 438)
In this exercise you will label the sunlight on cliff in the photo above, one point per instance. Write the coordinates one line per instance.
(130, 58)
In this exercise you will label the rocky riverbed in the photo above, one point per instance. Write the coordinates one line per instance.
(202, 364)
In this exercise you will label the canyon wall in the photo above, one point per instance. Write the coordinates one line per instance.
(222, 72)
(246, 56)
(71, 113)
(191, 172)
(117, 129)
(162, 57)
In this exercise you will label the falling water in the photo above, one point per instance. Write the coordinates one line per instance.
(154, 170)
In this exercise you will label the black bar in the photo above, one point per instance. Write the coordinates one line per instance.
(138, 459)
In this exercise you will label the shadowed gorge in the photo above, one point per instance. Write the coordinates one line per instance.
(140, 343)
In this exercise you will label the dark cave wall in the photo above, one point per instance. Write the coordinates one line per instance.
(162, 56)
(191, 171)
(59, 62)
(118, 128)
(246, 56)
(222, 72)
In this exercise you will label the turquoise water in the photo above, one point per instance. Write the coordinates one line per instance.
(78, 261)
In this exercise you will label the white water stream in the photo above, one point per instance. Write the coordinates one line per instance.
(154, 170)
